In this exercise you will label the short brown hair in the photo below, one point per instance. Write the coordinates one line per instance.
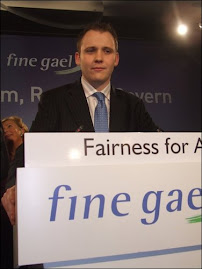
(97, 26)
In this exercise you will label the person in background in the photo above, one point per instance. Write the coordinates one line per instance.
(14, 129)
(12, 156)
(6, 227)
(4, 157)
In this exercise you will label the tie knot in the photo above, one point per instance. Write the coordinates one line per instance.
(100, 96)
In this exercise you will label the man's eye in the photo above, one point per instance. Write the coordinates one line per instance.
(89, 50)
(107, 50)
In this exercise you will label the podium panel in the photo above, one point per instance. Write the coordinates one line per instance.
(95, 214)
(64, 149)
(118, 200)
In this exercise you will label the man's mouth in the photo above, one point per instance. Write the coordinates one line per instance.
(98, 68)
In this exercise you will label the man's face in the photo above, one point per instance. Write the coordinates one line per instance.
(97, 58)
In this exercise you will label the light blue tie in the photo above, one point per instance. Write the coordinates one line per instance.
(101, 115)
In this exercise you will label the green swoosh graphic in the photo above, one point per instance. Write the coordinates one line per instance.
(194, 219)
(68, 71)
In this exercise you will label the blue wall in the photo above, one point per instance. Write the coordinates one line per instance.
(167, 78)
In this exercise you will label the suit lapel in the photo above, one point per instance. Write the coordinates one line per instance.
(118, 120)
(78, 106)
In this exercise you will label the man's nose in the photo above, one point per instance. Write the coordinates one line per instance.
(99, 56)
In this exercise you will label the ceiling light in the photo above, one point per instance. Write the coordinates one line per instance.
(182, 29)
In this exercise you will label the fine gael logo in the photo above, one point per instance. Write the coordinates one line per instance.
(68, 71)
(194, 219)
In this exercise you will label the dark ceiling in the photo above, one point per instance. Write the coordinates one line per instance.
(141, 20)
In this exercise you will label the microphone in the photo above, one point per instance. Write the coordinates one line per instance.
(79, 129)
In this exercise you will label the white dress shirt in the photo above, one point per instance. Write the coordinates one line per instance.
(92, 100)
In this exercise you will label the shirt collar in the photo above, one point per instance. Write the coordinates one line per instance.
(89, 89)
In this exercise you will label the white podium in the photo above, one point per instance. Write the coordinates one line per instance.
(115, 200)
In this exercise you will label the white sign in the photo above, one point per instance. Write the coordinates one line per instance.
(64, 149)
(96, 214)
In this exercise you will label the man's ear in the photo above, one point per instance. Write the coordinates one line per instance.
(77, 58)
(116, 59)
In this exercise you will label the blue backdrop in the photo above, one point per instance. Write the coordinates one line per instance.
(167, 78)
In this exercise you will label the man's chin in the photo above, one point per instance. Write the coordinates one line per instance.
(99, 79)
(97, 82)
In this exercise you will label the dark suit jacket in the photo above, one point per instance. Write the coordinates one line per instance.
(64, 109)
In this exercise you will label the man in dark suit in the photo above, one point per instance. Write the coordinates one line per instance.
(72, 107)
(66, 108)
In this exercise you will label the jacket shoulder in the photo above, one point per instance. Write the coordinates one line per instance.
(126, 94)
(58, 90)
